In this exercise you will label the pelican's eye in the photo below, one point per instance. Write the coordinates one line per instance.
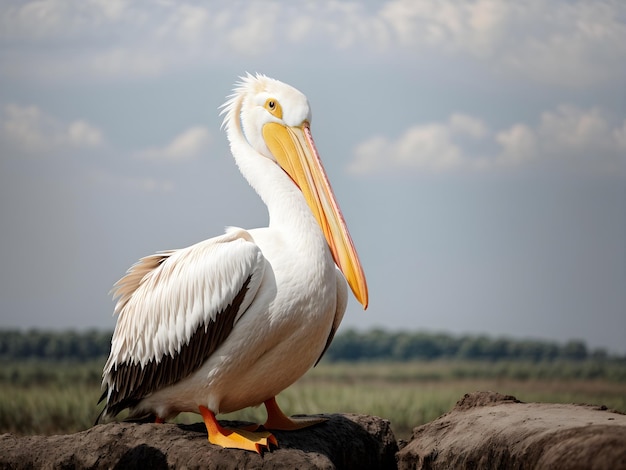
(274, 108)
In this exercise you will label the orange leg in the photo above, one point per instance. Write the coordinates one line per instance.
(278, 420)
(159, 420)
(237, 439)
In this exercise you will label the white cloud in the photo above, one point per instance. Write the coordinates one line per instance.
(578, 43)
(518, 145)
(83, 134)
(572, 138)
(566, 43)
(565, 139)
(423, 147)
(467, 125)
(573, 43)
(30, 129)
(185, 146)
(256, 30)
(121, 61)
(454, 25)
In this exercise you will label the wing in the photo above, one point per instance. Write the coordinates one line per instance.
(175, 308)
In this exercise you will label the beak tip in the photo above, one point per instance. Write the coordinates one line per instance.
(363, 300)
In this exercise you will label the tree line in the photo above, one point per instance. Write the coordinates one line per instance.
(350, 345)
(380, 344)
(57, 345)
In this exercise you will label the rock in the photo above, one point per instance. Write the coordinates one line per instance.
(489, 430)
(344, 441)
(483, 430)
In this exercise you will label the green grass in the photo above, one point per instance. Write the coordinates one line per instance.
(53, 398)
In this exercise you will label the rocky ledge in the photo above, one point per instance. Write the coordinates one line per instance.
(490, 430)
(483, 430)
(344, 441)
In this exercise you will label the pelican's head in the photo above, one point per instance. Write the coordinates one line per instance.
(275, 118)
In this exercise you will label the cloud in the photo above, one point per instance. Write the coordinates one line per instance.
(518, 145)
(572, 43)
(31, 130)
(83, 134)
(565, 139)
(467, 125)
(578, 44)
(422, 148)
(568, 137)
(565, 43)
(255, 31)
(185, 146)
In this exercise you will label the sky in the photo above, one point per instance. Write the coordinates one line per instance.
(477, 150)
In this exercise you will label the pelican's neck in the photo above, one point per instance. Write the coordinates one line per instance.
(287, 208)
(285, 202)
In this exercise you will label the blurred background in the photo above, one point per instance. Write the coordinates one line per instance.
(477, 149)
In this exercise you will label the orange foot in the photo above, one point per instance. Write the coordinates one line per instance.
(278, 421)
(236, 439)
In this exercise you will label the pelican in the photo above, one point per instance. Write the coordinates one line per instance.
(231, 321)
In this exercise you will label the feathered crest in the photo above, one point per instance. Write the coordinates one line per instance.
(248, 85)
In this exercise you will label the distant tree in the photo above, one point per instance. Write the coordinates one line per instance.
(346, 346)
(531, 350)
(415, 346)
(16, 344)
(473, 347)
(446, 345)
(350, 345)
(599, 354)
(496, 349)
(377, 344)
(574, 350)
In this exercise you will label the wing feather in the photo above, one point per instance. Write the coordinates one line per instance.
(174, 309)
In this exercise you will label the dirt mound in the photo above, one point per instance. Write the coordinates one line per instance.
(489, 430)
(483, 430)
(345, 441)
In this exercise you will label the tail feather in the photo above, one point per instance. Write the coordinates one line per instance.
(104, 410)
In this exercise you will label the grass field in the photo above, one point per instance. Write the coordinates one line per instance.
(56, 397)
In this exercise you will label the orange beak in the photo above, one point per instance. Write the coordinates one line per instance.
(295, 152)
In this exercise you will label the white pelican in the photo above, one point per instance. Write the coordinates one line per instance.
(232, 321)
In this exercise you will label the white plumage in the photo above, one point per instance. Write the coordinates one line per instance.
(231, 321)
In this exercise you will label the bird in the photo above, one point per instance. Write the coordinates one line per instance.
(231, 321)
